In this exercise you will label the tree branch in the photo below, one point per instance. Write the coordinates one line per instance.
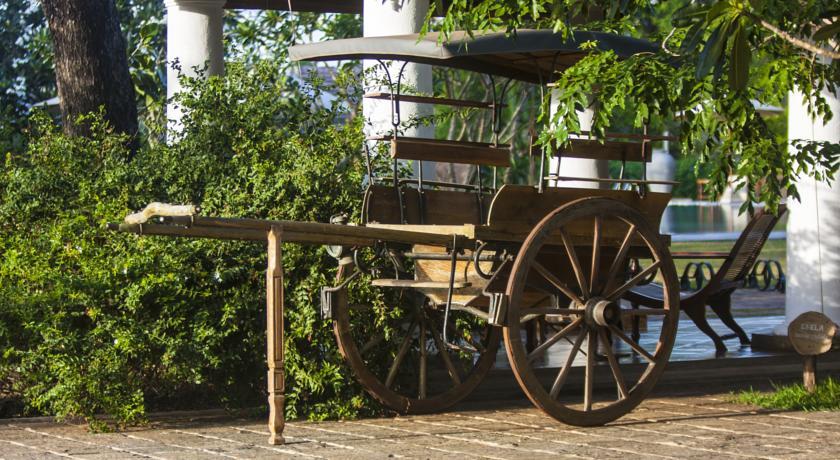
(795, 41)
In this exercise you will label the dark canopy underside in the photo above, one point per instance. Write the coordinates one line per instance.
(531, 55)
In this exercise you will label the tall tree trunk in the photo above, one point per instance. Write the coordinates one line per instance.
(91, 63)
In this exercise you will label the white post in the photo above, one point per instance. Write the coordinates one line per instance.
(193, 39)
(662, 167)
(579, 167)
(813, 229)
(397, 17)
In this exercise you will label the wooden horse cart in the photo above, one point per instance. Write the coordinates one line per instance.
(438, 274)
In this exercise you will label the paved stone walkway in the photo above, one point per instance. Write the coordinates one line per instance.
(663, 427)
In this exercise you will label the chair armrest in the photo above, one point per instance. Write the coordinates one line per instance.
(699, 255)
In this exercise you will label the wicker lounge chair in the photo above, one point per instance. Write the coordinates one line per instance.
(717, 293)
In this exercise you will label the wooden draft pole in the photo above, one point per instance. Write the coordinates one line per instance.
(274, 339)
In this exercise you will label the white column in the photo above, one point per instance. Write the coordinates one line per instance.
(579, 167)
(193, 39)
(813, 229)
(397, 17)
(661, 167)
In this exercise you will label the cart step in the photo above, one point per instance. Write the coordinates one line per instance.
(418, 284)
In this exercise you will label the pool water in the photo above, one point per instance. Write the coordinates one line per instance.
(689, 220)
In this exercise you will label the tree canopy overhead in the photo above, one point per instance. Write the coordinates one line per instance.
(715, 58)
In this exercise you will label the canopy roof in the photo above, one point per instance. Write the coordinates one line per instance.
(530, 55)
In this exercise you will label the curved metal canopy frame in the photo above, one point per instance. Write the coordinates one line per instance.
(529, 55)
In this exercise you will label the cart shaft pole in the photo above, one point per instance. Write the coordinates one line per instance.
(274, 326)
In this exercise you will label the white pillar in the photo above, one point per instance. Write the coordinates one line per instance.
(193, 39)
(579, 167)
(397, 17)
(662, 167)
(813, 228)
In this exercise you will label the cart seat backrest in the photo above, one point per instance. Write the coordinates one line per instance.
(441, 207)
(606, 150)
(446, 151)
(518, 208)
(748, 247)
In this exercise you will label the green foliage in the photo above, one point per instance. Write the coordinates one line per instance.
(26, 74)
(794, 397)
(93, 322)
(715, 58)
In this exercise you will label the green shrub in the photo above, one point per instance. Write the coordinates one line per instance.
(93, 322)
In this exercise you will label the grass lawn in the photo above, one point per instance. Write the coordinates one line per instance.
(794, 397)
(773, 249)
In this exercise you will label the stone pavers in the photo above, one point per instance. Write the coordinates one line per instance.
(694, 426)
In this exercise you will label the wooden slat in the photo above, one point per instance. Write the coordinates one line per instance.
(445, 207)
(417, 284)
(450, 152)
(441, 207)
(432, 100)
(607, 150)
(699, 255)
(608, 180)
(439, 271)
(388, 137)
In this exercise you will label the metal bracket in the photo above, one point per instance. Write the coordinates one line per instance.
(329, 295)
(497, 314)
(328, 299)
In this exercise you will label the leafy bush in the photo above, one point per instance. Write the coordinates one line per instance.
(93, 322)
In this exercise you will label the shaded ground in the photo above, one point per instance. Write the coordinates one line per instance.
(663, 427)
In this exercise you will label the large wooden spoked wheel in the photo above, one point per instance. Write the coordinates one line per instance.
(397, 352)
(580, 252)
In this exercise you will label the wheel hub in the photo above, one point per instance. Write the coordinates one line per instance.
(602, 312)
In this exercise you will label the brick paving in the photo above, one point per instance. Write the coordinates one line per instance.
(705, 426)
(687, 426)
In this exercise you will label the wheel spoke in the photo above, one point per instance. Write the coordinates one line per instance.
(596, 254)
(536, 312)
(421, 339)
(540, 268)
(618, 262)
(564, 372)
(591, 355)
(638, 349)
(406, 343)
(374, 341)
(614, 295)
(616, 370)
(444, 355)
(570, 250)
(554, 338)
